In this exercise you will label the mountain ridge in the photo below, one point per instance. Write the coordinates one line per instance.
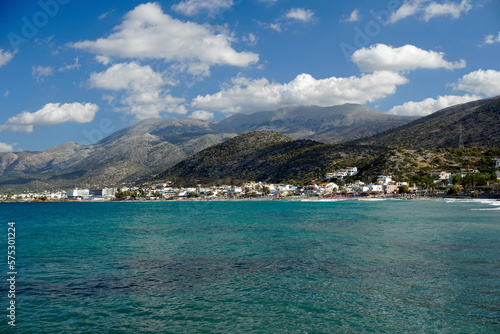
(267, 156)
(472, 124)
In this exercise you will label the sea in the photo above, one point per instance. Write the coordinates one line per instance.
(324, 266)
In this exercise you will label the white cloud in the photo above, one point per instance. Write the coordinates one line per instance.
(446, 9)
(6, 147)
(491, 39)
(300, 14)
(195, 7)
(251, 39)
(147, 32)
(426, 10)
(126, 76)
(51, 114)
(248, 95)
(430, 105)
(409, 8)
(103, 60)
(5, 57)
(382, 57)
(6, 94)
(144, 96)
(202, 114)
(275, 26)
(480, 82)
(42, 71)
(76, 65)
(354, 17)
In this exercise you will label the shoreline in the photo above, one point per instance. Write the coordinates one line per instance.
(491, 197)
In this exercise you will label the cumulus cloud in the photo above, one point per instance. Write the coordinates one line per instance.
(480, 82)
(5, 57)
(51, 114)
(146, 32)
(491, 39)
(300, 14)
(6, 147)
(426, 10)
(430, 105)
(196, 7)
(42, 71)
(381, 57)
(202, 114)
(354, 17)
(251, 95)
(144, 97)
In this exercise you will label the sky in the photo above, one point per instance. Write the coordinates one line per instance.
(74, 70)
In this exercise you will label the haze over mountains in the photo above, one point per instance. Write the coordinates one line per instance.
(149, 147)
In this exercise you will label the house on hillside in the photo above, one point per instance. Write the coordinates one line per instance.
(384, 179)
(341, 173)
(496, 162)
(442, 176)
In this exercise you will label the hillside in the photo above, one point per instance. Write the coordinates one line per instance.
(417, 165)
(477, 123)
(265, 156)
(141, 150)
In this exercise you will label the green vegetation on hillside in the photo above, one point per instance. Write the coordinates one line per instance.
(266, 156)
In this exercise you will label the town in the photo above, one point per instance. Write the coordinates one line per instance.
(468, 182)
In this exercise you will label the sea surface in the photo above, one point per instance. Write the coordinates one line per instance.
(352, 266)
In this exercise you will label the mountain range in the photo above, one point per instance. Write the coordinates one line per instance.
(148, 147)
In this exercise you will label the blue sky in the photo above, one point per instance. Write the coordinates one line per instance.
(74, 70)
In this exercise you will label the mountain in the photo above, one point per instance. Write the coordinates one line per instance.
(265, 156)
(136, 152)
(126, 155)
(475, 124)
(325, 124)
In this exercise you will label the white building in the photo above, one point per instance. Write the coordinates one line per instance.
(78, 193)
(496, 161)
(376, 188)
(384, 179)
(104, 193)
(443, 176)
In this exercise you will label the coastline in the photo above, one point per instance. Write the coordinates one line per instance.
(491, 197)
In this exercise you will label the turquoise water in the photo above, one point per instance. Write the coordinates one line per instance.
(423, 266)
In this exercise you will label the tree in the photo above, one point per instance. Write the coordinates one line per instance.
(454, 190)
(266, 190)
(456, 179)
(404, 189)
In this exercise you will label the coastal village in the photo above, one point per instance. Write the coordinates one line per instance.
(334, 186)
